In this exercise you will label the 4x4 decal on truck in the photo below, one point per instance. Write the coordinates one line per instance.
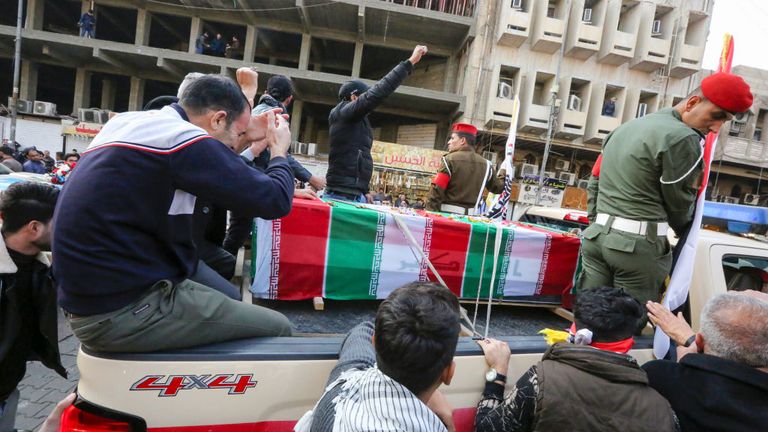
(170, 385)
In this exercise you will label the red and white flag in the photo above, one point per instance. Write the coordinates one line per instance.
(680, 279)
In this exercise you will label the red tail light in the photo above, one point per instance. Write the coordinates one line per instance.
(575, 217)
(76, 420)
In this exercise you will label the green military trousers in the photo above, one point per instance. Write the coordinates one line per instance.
(638, 264)
(171, 316)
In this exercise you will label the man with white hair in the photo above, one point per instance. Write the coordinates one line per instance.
(720, 382)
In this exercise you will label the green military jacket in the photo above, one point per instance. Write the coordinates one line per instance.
(651, 170)
(468, 173)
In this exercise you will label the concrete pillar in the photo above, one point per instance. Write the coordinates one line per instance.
(82, 97)
(441, 136)
(296, 113)
(357, 60)
(108, 94)
(249, 50)
(28, 81)
(35, 10)
(136, 96)
(764, 126)
(143, 24)
(85, 6)
(450, 76)
(306, 43)
(308, 129)
(194, 31)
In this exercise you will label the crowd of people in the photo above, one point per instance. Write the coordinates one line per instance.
(216, 45)
(144, 266)
(29, 159)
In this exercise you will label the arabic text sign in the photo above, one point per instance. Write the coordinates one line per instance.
(82, 129)
(551, 196)
(393, 155)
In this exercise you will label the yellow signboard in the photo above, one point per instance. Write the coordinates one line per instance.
(82, 129)
(391, 155)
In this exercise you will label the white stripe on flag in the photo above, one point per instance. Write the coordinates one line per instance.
(263, 261)
(399, 263)
(525, 262)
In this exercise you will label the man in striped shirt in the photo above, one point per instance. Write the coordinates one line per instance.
(394, 386)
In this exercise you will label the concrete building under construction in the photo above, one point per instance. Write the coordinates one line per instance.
(643, 55)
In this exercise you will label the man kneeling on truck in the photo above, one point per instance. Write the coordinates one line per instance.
(590, 384)
(415, 337)
(122, 231)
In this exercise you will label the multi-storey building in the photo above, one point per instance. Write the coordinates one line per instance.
(740, 167)
(645, 54)
(642, 55)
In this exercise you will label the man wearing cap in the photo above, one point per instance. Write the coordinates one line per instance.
(645, 182)
(279, 94)
(350, 134)
(463, 174)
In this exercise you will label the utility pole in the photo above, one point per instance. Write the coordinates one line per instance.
(553, 107)
(16, 68)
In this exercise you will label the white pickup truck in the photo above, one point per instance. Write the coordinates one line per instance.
(267, 384)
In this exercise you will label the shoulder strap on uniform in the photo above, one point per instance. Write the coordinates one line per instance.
(482, 185)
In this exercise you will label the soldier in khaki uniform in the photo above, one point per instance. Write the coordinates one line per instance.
(463, 175)
(645, 182)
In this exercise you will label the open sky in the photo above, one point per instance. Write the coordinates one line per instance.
(747, 21)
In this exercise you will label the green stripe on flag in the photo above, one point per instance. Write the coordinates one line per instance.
(477, 243)
(351, 254)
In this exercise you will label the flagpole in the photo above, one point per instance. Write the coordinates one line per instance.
(552, 111)
(16, 67)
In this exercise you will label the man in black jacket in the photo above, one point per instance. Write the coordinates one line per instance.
(350, 164)
(720, 382)
(27, 299)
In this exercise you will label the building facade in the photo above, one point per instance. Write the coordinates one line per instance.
(617, 60)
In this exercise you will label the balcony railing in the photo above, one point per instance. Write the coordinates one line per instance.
(744, 151)
(454, 7)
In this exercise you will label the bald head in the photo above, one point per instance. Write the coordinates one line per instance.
(733, 326)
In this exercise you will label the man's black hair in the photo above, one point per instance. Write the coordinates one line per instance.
(214, 93)
(610, 313)
(417, 329)
(69, 155)
(471, 139)
(280, 87)
(159, 102)
(7, 150)
(25, 202)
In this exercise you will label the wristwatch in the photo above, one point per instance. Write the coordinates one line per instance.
(492, 376)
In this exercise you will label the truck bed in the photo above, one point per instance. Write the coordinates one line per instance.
(340, 316)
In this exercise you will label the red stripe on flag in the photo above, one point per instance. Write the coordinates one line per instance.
(448, 250)
(561, 257)
(303, 246)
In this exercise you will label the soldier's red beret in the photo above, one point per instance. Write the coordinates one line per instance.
(727, 91)
(465, 128)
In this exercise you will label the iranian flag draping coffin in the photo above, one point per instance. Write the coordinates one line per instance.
(345, 251)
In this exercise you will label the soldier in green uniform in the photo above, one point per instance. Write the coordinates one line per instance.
(645, 182)
(463, 175)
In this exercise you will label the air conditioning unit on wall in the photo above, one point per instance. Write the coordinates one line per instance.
(22, 106)
(45, 108)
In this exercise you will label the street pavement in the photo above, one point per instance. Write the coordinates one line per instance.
(42, 388)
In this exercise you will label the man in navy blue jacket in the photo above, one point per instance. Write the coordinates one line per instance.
(123, 226)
